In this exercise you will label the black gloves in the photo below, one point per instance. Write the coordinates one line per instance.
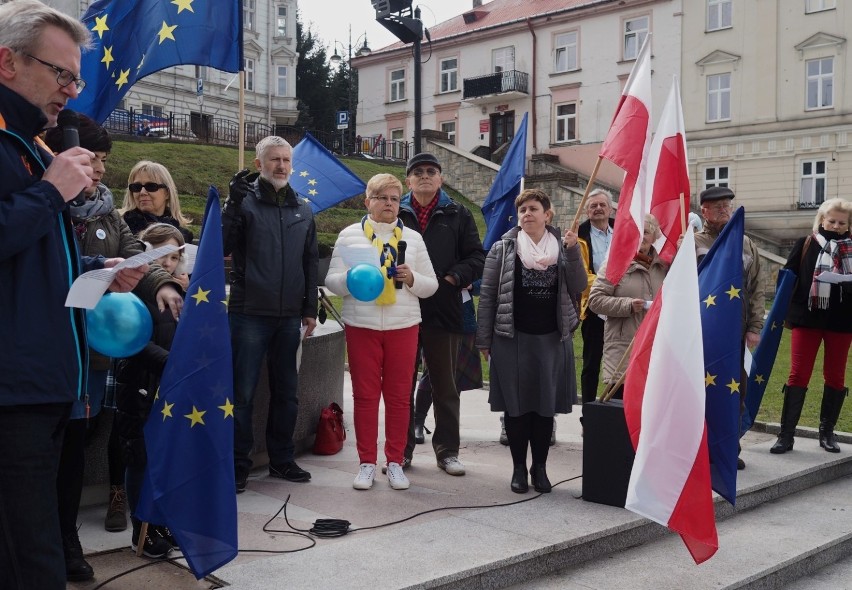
(239, 186)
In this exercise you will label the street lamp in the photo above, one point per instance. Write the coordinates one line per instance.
(335, 59)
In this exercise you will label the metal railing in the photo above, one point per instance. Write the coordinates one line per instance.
(497, 83)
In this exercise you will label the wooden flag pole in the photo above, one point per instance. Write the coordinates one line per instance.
(609, 391)
(682, 214)
(576, 223)
(241, 159)
(140, 543)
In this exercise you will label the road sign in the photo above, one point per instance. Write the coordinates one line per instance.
(199, 87)
(343, 119)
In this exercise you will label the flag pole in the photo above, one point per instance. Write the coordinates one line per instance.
(609, 391)
(682, 214)
(241, 158)
(576, 223)
(140, 543)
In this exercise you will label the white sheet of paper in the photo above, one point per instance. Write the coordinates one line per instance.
(466, 296)
(359, 254)
(833, 278)
(747, 361)
(90, 286)
(302, 331)
(190, 251)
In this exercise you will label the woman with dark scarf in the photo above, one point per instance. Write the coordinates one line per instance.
(152, 197)
(820, 313)
(626, 303)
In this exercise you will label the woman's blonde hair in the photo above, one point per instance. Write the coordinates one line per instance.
(160, 175)
(652, 222)
(382, 182)
(836, 204)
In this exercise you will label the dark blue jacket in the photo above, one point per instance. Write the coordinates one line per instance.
(43, 342)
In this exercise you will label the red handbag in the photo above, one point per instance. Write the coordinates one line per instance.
(330, 431)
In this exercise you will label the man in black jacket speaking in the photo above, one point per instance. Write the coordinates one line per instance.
(455, 249)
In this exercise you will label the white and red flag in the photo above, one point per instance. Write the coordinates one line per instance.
(664, 407)
(668, 172)
(626, 145)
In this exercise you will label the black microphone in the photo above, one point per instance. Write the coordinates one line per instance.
(400, 259)
(69, 122)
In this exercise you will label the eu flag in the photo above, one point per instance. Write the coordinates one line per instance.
(189, 436)
(320, 178)
(499, 206)
(765, 353)
(720, 287)
(134, 39)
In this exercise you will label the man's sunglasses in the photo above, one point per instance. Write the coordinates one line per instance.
(151, 187)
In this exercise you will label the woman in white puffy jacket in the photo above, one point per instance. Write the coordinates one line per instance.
(381, 335)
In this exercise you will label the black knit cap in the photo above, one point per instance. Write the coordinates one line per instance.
(421, 159)
(715, 193)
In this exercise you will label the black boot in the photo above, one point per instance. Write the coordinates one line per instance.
(77, 569)
(520, 483)
(419, 434)
(539, 478)
(832, 402)
(794, 399)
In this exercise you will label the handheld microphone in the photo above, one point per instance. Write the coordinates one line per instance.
(400, 259)
(69, 122)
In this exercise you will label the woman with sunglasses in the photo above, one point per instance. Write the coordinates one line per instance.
(152, 197)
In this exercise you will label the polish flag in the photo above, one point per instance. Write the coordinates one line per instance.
(668, 172)
(626, 145)
(664, 408)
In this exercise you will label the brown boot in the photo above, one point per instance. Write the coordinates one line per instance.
(116, 516)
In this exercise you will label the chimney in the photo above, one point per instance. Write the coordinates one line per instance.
(477, 3)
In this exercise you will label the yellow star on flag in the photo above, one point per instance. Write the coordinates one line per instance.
(759, 379)
(228, 408)
(709, 379)
(303, 173)
(107, 59)
(100, 26)
(312, 182)
(183, 5)
(196, 417)
(733, 292)
(733, 386)
(313, 192)
(166, 32)
(167, 411)
(711, 300)
(201, 296)
(122, 78)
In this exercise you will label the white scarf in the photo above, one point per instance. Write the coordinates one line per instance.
(537, 256)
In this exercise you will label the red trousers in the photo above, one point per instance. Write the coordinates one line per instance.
(804, 345)
(381, 363)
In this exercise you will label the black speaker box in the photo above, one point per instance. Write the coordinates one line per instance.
(607, 453)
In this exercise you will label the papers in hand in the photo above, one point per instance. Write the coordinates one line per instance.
(89, 287)
(833, 278)
(359, 254)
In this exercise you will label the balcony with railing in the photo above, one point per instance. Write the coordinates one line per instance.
(506, 84)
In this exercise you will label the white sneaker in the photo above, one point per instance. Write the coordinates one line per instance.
(365, 477)
(396, 477)
(452, 465)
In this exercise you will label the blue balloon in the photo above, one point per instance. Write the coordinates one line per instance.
(365, 282)
(119, 326)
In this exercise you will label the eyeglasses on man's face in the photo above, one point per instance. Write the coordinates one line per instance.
(63, 77)
(151, 187)
(421, 172)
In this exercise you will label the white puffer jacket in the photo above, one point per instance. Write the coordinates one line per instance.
(405, 312)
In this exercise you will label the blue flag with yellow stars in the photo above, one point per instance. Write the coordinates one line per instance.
(320, 178)
(189, 435)
(499, 206)
(720, 286)
(134, 39)
(765, 353)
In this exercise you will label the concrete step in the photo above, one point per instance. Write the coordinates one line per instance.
(762, 548)
(837, 576)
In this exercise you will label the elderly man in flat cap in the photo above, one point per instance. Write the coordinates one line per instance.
(455, 249)
(717, 208)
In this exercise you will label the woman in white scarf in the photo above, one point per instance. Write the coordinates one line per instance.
(820, 313)
(532, 278)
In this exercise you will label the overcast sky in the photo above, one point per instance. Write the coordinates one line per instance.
(331, 20)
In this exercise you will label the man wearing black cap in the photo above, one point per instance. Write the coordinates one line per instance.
(453, 243)
(716, 208)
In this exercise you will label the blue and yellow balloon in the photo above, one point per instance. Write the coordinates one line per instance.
(365, 282)
(119, 326)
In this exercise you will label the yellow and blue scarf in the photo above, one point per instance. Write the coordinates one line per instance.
(387, 258)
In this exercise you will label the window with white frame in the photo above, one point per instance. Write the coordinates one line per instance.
(249, 10)
(818, 5)
(281, 80)
(503, 59)
(719, 14)
(635, 31)
(820, 82)
(152, 110)
(248, 67)
(281, 22)
(397, 143)
(566, 122)
(565, 55)
(812, 193)
(716, 176)
(719, 97)
(449, 127)
(397, 85)
(449, 74)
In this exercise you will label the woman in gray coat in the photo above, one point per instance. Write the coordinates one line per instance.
(526, 318)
